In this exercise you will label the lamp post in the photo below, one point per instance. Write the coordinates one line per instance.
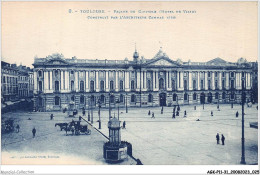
(118, 108)
(243, 138)
(91, 110)
(126, 109)
(99, 106)
(88, 110)
(109, 106)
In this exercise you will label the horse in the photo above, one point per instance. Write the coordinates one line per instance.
(61, 125)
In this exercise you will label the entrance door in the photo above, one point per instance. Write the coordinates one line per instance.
(162, 98)
(202, 98)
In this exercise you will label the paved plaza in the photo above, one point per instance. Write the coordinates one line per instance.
(160, 140)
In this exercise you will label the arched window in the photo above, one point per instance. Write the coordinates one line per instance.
(174, 97)
(102, 85)
(57, 83)
(72, 98)
(173, 85)
(185, 85)
(112, 99)
(210, 97)
(232, 84)
(216, 84)
(232, 74)
(40, 73)
(223, 84)
(216, 95)
(209, 84)
(194, 84)
(40, 86)
(121, 85)
(132, 85)
(111, 85)
(57, 100)
(92, 85)
(161, 83)
(201, 84)
(72, 85)
(82, 99)
(243, 84)
(133, 98)
(223, 95)
(150, 98)
(232, 96)
(92, 100)
(194, 96)
(40, 101)
(121, 98)
(186, 97)
(81, 85)
(149, 85)
(102, 99)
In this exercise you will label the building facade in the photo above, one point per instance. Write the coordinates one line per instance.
(9, 82)
(75, 83)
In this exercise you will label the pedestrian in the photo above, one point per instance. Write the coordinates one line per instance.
(218, 106)
(72, 129)
(17, 128)
(149, 112)
(51, 116)
(212, 113)
(217, 138)
(124, 125)
(80, 118)
(153, 115)
(237, 114)
(33, 132)
(83, 112)
(173, 115)
(222, 139)
(195, 108)
(232, 105)
(185, 113)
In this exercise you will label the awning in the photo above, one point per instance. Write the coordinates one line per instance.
(253, 125)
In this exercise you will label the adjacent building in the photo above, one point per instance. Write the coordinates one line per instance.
(75, 83)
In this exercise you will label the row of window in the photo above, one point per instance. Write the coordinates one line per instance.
(133, 73)
(6, 79)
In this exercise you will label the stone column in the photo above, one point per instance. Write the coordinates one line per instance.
(76, 81)
(198, 80)
(45, 76)
(87, 81)
(116, 81)
(178, 81)
(97, 81)
(107, 88)
(35, 86)
(144, 82)
(220, 80)
(157, 80)
(67, 79)
(206, 80)
(227, 80)
(181, 81)
(51, 88)
(190, 81)
(153, 80)
(138, 80)
(61, 80)
(127, 83)
(213, 81)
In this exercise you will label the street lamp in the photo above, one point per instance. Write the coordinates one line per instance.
(99, 121)
(91, 101)
(88, 110)
(118, 108)
(243, 137)
(126, 109)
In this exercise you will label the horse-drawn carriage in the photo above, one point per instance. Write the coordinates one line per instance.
(7, 126)
(74, 127)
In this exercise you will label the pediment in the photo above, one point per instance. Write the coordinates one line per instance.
(162, 62)
(56, 62)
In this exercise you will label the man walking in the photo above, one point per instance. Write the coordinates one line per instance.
(222, 139)
(217, 138)
(33, 132)
(237, 114)
(212, 113)
(17, 128)
(185, 113)
(153, 115)
(124, 125)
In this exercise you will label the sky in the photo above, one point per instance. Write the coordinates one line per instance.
(215, 29)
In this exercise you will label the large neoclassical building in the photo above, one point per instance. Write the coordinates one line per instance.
(75, 83)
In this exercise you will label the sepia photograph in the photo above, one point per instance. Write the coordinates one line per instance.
(105, 85)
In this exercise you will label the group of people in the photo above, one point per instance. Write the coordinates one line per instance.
(177, 109)
(222, 139)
